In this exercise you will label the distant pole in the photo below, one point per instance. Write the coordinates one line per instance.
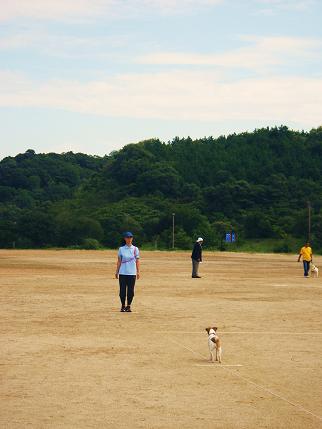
(309, 220)
(14, 241)
(173, 215)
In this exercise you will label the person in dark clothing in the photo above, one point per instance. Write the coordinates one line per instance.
(196, 257)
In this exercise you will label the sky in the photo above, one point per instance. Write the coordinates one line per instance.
(94, 75)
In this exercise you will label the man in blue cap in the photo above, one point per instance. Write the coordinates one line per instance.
(127, 271)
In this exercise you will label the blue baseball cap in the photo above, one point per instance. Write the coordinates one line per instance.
(127, 234)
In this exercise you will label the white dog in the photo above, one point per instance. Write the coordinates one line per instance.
(214, 343)
(314, 270)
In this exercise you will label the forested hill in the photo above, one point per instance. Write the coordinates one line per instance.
(255, 183)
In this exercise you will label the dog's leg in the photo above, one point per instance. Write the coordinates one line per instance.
(219, 354)
(211, 357)
(216, 354)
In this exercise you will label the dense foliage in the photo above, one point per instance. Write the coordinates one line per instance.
(255, 183)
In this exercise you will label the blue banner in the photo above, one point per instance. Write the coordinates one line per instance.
(230, 237)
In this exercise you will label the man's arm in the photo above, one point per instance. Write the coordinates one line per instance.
(193, 254)
(118, 264)
(137, 261)
(299, 258)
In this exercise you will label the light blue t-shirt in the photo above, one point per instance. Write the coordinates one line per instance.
(128, 256)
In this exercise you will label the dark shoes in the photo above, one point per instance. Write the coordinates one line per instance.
(196, 277)
(122, 310)
(128, 309)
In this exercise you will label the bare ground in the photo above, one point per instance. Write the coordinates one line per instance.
(70, 359)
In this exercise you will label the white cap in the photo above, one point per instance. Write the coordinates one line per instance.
(200, 239)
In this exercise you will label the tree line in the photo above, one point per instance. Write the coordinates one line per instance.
(255, 183)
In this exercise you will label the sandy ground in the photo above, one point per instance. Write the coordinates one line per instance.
(70, 359)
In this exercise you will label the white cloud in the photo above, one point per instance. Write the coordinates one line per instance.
(49, 9)
(174, 95)
(258, 54)
(288, 4)
(86, 9)
(174, 6)
(263, 52)
(270, 7)
(65, 46)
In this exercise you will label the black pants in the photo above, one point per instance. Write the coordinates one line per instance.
(127, 284)
(195, 267)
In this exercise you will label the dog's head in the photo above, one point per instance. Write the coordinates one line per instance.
(211, 330)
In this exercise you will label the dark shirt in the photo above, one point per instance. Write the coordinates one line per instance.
(197, 252)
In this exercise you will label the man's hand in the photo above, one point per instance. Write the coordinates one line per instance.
(138, 276)
(116, 275)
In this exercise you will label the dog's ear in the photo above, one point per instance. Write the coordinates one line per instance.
(208, 329)
(215, 328)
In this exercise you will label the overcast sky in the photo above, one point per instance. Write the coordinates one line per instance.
(93, 75)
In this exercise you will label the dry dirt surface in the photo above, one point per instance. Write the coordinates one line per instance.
(70, 359)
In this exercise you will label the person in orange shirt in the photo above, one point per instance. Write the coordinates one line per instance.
(306, 254)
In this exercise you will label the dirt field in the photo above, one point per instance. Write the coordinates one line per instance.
(70, 359)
